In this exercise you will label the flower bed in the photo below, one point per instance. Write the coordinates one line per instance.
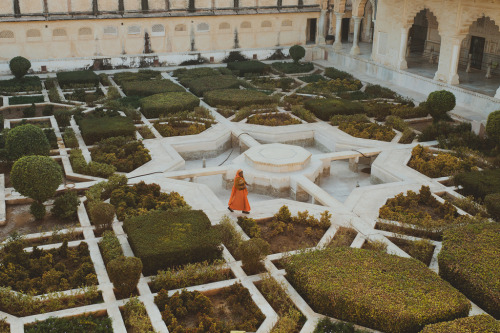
(97, 129)
(292, 67)
(44, 271)
(476, 324)
(17, 100)
(439, 165)
(179, 128)
(25, 84)
(231, 309)
(208, 83)
(374, 289)
(163, 239)
(150, 87)
(161, 104)
(140, 198)
(331, 87)
(273, 119)
(81, 324)
(469, 261)
(368, 130)
(77, 79)
(236, 98)
(285, 232)
(121, 152)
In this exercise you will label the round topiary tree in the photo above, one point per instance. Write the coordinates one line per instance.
(26, 140)
(19, 66)
(493, 126)
(36, 177)
(297, 52)
(125, 272)
(439, 102)
(102, 214)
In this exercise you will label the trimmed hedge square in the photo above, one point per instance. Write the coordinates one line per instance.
(150, 87)
(77, 79)
(142, 75)
(27, 83)
(97, 129)
(374, 289)
(236, 97)
(251, 66)
(292, 67)
(476, 324)
(161, 104)
(325, 108)
(479, 183)
(18, 100)
(470, 261)
(164, 239)
(208, 83)
(185, 76)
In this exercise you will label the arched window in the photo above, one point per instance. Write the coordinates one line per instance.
(59, 32)
(224, 26)
(158, 30)
(203, 27)
(33, 33)
(246, 25)
(134, 30)
(180, 27)
(287, 23)
(110, 31)
(86, 31)
(6, 34)
(266, 24)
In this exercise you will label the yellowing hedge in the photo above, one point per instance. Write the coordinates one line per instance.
(475, 324)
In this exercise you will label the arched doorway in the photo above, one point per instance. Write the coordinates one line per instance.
(424, 43)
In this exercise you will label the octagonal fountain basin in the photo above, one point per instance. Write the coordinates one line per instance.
(277, 157)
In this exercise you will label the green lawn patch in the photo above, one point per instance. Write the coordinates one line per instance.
(164, 239)
(374, 289)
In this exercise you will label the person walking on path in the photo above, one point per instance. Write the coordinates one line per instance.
(239, 194)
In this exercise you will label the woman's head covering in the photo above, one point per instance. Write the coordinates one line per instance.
(238, 174)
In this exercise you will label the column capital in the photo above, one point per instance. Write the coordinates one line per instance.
(339, 15)
(357, 19)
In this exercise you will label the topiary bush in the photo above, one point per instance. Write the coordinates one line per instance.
(38, 210)
(110, 246)
(475, 324)
(251, 66)
(77, 79)
(97, 129)
(493, 126)
(439, 102)
(252, 252)
(208, 83)
(25, 84)
(66, 205)
(161, 104)
(63, 117)
(297, 52)
(125, 273)
(39, 185)
(26, 140)
(19, 66)
(324, 109)
(102, 214)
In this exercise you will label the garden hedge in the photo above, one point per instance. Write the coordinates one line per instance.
(325, 108)
(97, 129)
(148, 88)
(479, 183)
(185, 76)
(236, 97)
(28, 83)
(17, 100)
(77, 79)
(161, 104)
(469, 260)
(251, 66)
(163, 239)
(334, 73)
(293, 67)
(476, 324)
(208, 83)
(26, 140)
(374, 289)
(81, 324)
(142, 75)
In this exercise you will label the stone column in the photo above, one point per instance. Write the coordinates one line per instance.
(402, 49)
(448, 59)
(337, 46)
(455, 55)
(355, 47)
(321, 27)
(497, 94)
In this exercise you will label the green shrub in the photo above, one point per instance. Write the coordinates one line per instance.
(185, 76)
(25, 84)
(408, 112)
(66, 205)
(165, 239)
(325, 325)
(469, 261)
(478, 183)
(82, 324)
(97, 129)
(377, 91)
(234, 56)
(358, 118)
(123, 153)
(142, 75)
(249, 226)
(54, 96)
(293, 67)
(438, 165)
(476, 324)
(439, 102)
(443, 129)
(110, 246)
(236, 98)
(150, 87)
(102, 214)
(37, 209)
(374, 289)
(252, 252)
(303, 114)
(251, 66)
(229, 236)
(124, 273)
(312, 78)
(334, 73)
(136, 317)
(29, 112)
(331, 88)
(95, 169)
(17, 100)
(39, 185)
(161, 104)
(324, 109)
(77, 79)
(48, 110)
(493, 126)
(69, 137)
(19, 66)
(50, 134)
(297, 52)
(492, 203)
(63, 117)
(208, 83)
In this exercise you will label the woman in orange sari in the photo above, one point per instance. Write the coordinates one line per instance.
(239, 194)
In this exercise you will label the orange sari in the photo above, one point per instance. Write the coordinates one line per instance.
(239, 194)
